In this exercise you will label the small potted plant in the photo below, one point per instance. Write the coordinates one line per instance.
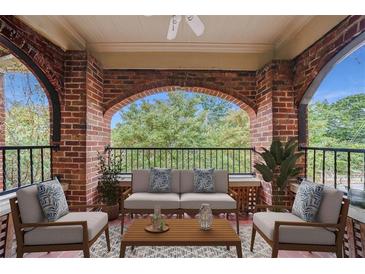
(279, 166)
(108, 187)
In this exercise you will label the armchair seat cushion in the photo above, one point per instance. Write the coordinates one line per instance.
(67, 234)
(146, 200)
(216, 200)
(265, 221)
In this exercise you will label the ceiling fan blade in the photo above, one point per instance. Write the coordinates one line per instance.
(173, 27)
(196, 25)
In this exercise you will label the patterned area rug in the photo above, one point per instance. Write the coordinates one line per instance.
(261, 250)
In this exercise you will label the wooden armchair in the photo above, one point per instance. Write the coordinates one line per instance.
(285, 231)
(74, 231)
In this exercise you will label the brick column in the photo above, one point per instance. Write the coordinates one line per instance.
(82, 131)
(277, 115)
(98, 128)
(2, 125)
(70, 162)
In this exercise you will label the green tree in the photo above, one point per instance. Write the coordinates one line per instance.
(183, 120)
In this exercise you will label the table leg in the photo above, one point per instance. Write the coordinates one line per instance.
(239, 250)
(122, 250)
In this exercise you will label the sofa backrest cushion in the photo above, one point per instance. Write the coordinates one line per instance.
(330, 207)
(29, 206)
(141, 180)
(220, 178)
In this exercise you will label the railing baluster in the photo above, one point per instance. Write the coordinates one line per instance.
(250, 160)
(239, 161)
(188, 158)
(19, 168)
(182, 159)
(233, 160)
(216, 158)
(348, 169)
(245, 159)
(126, 160)
(314, 165)
(323, 166)
(31, 166)
(166, 158)
(51, 162)
(222, 157)
(143, 158)
(335, 169)
(42, 164)
(205, 158)
(4, 169)
(211, 160)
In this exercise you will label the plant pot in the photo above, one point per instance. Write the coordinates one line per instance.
(113, 211)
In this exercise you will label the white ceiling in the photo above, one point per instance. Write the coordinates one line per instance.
(248, 34)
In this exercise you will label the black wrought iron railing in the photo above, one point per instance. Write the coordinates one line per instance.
(340, 167)
(24, 165)
(235, 160)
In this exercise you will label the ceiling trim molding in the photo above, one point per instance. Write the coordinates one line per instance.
(57, 29)
(69, 30)
(180, 47)
(294, 28)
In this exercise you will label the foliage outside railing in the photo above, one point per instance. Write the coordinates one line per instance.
(338, 167)
(24, 165)
(235, 160)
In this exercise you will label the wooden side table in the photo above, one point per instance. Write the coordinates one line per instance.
(248, 193)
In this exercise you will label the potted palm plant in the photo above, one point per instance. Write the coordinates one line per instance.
(108, 187)
(279, 166)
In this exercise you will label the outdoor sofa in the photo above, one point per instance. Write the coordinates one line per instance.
(182, 198)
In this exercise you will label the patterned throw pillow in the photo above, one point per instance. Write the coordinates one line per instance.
(160, 180)
(203, 180)
(52, 200)
(307, 201)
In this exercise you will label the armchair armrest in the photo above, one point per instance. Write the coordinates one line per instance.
(34, 225)
(307, 224)
(126, 193)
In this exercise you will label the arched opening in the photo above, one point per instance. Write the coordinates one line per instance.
(25, 125)
(48, 88)
(333, 120)
(182, 128)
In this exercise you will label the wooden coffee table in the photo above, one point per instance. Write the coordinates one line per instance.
(183, 232)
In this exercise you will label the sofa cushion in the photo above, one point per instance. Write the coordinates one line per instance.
(145, 200)
(220, 178)
(307, 201)
(221, 181)
(29, 206)
(330, 207)
(160, 180)
(215, 200)
(265, 221)
(141, 177)
(68, 234)
(203, 180)
(52, 200)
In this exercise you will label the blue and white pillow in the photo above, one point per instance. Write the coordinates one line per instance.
(203, 180)
(160, 180)
(52, 200)
(307, 201)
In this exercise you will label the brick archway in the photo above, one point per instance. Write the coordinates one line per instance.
(16, 40)
(111, 110)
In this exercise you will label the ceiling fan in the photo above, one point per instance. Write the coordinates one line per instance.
(193, 21)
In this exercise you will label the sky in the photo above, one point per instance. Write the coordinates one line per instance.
(346, 78)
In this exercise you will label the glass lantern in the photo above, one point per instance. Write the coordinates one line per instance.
(205, 217)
